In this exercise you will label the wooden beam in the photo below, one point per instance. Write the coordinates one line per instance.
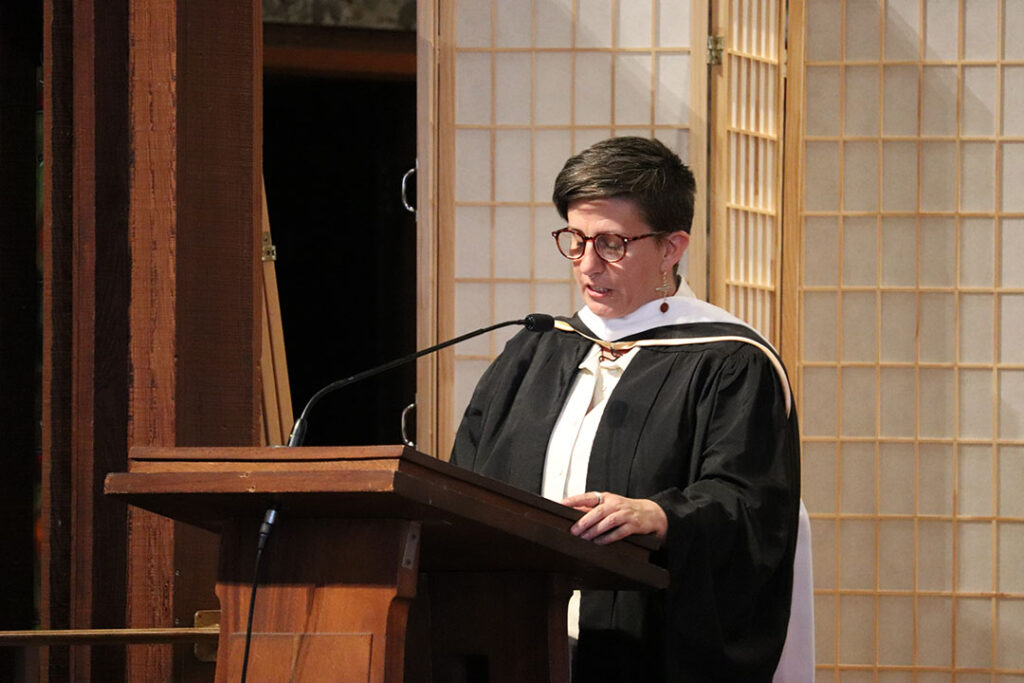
(339, 52)
(196, 120)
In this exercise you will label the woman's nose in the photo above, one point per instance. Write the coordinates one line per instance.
(590, 262)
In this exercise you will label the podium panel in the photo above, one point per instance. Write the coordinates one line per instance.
(385, 565)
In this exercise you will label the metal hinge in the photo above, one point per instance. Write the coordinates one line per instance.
(269, 252)
(715, 46)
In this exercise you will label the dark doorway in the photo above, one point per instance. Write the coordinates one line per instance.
(335, 151)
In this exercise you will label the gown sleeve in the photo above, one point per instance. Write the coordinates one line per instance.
(732, 529)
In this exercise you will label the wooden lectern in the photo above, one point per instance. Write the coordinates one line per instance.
(385, 565)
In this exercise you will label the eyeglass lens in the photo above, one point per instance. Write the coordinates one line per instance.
(609, 246)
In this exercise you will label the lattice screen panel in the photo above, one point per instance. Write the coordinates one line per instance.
(749, 108)
(535, 82)
(912, 315)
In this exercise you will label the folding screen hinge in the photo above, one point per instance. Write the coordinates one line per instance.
(269, 252)
(715, 46)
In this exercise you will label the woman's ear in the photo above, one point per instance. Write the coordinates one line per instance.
(674, 246)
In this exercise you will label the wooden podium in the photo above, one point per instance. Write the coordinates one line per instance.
(385, 565)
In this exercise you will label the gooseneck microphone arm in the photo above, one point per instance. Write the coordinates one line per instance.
(536, 322)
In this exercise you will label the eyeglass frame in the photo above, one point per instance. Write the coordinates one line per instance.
(625, 242)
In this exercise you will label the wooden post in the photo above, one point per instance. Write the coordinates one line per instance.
(195, 100)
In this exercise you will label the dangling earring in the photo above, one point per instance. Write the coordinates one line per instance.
(664, 289)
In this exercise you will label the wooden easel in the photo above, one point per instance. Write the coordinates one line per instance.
(277, 414)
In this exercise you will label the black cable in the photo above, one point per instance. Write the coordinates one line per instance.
(268, 523)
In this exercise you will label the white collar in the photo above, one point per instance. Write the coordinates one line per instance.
(683, 308)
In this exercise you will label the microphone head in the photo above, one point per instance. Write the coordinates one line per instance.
(539, 322)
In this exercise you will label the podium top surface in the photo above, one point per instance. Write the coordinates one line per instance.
(467, 519)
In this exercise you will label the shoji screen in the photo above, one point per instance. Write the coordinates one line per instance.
(912, 365)
(534, 82)
(747, 146)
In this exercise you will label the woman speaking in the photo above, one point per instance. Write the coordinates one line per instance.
(654, 413)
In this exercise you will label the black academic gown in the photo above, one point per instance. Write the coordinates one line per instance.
(703, 431)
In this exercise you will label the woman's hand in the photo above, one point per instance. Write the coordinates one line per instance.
(611, 517)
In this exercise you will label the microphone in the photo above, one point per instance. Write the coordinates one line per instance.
(535, 322)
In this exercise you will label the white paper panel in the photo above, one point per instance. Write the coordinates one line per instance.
(863, 37)
(896, 620)
(895, 538)
(512, 242)
(673, 90)
(976, 331)
(901, 91)
(1011, 266)
(594, 23)
(981, 29)
(856, 553)
(940, 30)
(512, 92)
(977, 177)
(902, 29)
(899, 176)
(472, 242)
(856, 643)
(859, 327)
(899, 327)
(473, 88)
(937, 328)
(824, 19)
(861, 100)
(1013, 100)
(860, 175)
(938, 180)
(819, 415)
(473, 164)
(896, 483)
(1011, 473)
(936, 403)
(512, 165)
(973, 630)
(593, 87)
(1011, 328)
(673, 24)
(979, 100)
(1012, 173)
(857, 490)
(977, 252)
(1013, 25)
(938, 251)
(935, 628)
(821, 247)
(512, 26)
(1011, 562)
(1011, 404)
(554, 22)
(473, 23)
(472, 311)
(938, 106)
(818, 476)
(859, 403)
(634, 23)
(935, 541)
(820, 310)
(899, 252)
(976, 404)
(896, 412)
(553, 105)
(974, 481)
(632, 89)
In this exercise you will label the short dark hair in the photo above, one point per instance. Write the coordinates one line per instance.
(643, 170)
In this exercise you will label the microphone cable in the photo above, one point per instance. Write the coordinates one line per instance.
(268, 523)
